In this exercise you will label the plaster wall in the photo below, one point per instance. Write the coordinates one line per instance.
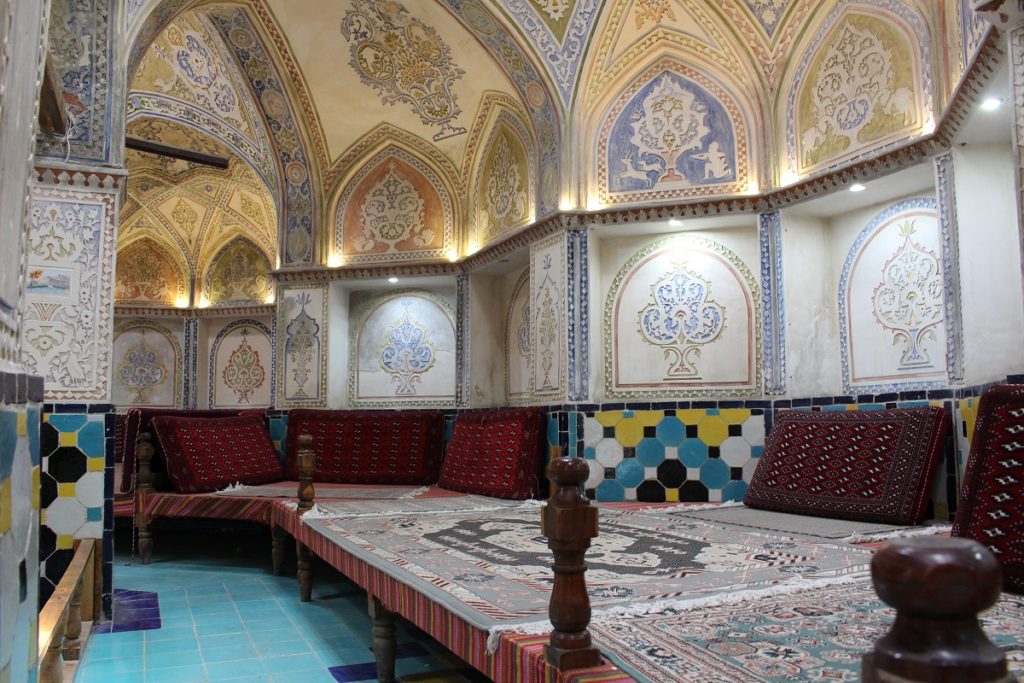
(487, 324)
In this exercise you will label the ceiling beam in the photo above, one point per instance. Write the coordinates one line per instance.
(175, 152)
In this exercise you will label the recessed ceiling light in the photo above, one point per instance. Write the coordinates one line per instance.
(675, 222)
(991, 103)
(857, 187)
(392, 280)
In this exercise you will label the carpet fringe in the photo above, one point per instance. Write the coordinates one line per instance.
(689, 507)
(788, 587)
(898, 533)
(414, 493)
(237, 486)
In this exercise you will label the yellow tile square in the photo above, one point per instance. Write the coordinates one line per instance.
(35, 486)
(68, 439)
(672, 495)
(608, 418)
(42, 516)
(23, 424)
(95, 464)
(65, 541)
(5, 506)
(65, 490)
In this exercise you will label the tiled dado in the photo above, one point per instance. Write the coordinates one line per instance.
(76, 488)
(20, 403)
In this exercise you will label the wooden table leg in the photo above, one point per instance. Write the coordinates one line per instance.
(305, 572)
(383, 640)
(278, 546)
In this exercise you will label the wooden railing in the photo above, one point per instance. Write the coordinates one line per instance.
(60, 622)
(937, 585)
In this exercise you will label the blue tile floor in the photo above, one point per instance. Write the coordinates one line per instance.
(221, 616)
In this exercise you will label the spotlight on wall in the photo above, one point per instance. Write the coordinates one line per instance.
(453, 255)
(181, 302)
(991, 103)
(675, 222)
(334, 261)
(392, 280)
(857, 187)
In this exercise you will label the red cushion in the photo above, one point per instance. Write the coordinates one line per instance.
(138, 420)
(495, 453)
(208, 454)
(368, 446)
(991, 507)
(869, 465)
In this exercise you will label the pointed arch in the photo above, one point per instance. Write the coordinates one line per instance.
(147, 273)
(237, 274)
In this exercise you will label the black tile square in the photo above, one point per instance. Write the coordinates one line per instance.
(714, 452)
(608, 432)
(736, 473)
(650, 432)
(691, 431)
(735, 430)
(609, 472)
(629, 452)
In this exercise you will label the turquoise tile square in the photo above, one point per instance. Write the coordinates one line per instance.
(167, 660)
(278, 635)
(204, 629)
(158, 647)
(229, 653)
(284, 648)
(90, 438)
(170, 633)
(226, 640)
(309, 676)
(106, 669)
(178, 674)
(94, 514)
(248, 669)
(293, 665)
(67, 422)
(263, 625)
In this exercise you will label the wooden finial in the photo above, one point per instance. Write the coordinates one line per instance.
(937, 586)
(307, 463)
(569, 522)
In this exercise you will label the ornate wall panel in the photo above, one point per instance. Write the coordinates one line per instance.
(149, 365)
(394, 208)
(69, 295)
(548, 332)
(85, 39)
(302, 346)
(146, 274)
(672, 134)
(973, 30)
(683, 314)
(863, 81)
(238, 275)
(773, 302)
(892, 302)
(403, 352)
(518, 352)
(502, 195)
(242, 364)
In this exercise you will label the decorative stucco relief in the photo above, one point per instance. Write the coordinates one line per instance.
(148, 364)
(146, 274)
(241, 366)
(302, 345)
(548, 316)
(503, 197)
(518, 352)
(238, 274)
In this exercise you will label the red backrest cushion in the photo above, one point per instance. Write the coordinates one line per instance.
(139, 420)
(368, 446)
(495, 453)
(869, 465)
(211, 453)
(991, 506)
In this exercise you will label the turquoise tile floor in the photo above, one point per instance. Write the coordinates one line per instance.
(224, 617)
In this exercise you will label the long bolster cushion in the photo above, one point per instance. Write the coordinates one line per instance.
(208, 454)
(368, 446)
(869, 465)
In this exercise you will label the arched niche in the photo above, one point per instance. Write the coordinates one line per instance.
(518, 354)
(892, 302)
(503, 189)
(403, 352)
(147, 365)
(147, 274)
(396, 207)
(673, 133)
(238, 274)
(242, 366)
(682, 316)
(863, 81)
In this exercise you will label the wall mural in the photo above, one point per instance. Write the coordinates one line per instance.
(302, 344)
(892, 302)
(503, 197)
(671, 136)
(862, 83)
(241, 366)
(683, 314)
(69, 294)
(403, 352)
(548, 315)
(395, 208)
(147, 275)
(405, 61)
(148, 367)
(238, 275)
(518, 352)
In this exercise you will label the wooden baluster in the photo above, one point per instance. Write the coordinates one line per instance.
(307, 463)
(51, 669)
(144, 486)
(383, 640)
(72, 647)
(569, 522)
(278, 547)
(937, 586)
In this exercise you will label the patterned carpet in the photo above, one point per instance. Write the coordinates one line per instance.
(813, 635)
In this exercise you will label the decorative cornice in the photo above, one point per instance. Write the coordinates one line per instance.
(209, 312)
(80, 176)
(319, 274)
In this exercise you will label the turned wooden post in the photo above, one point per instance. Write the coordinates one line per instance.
(937, 586)
(307, 463)
(144, 486)
(305, 573)
(51, 668)
(383, 640)
(72, 646)
(278, 547)
(569, 522)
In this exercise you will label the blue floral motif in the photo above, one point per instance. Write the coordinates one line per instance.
(406, 355)
(140, 371)
(681, 315)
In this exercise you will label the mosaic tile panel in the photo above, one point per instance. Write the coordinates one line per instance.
(699, 454)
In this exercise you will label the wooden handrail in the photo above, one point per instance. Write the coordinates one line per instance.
(60, 621)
